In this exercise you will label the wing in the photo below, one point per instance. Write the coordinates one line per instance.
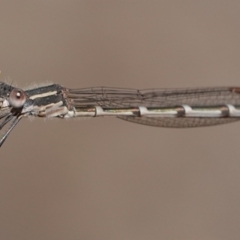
(117, 97)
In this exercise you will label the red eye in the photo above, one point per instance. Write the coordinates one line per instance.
(17, 98)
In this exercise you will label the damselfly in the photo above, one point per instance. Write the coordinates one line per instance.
(173, 108)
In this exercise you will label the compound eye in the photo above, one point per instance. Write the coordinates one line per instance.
(17, 98)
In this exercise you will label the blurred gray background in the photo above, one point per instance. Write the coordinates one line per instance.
(105, 178)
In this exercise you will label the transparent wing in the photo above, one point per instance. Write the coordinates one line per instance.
(179, 122)
(116, 97)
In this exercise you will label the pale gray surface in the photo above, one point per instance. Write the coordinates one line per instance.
(105, 178)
